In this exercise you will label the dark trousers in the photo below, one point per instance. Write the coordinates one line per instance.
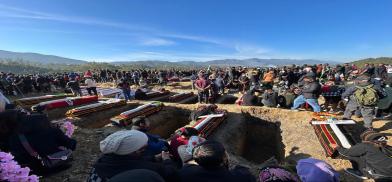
(92, 89)
(203, 96)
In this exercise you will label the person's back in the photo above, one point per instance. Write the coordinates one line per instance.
(249, 99)
(108, 165)
(212, 161)
(270, 98)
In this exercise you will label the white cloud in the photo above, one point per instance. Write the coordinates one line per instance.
(149, 37)
(157, 42)
(251, 50)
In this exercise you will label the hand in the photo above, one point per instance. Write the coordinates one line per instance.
(334, 146)
(165, 155)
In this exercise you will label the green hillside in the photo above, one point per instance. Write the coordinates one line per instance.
(385, 60)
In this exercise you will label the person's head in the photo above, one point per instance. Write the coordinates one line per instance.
(141, 123)
(187, 132)
(124, 142)
(210, 154)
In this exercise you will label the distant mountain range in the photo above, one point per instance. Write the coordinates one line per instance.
(253, 62)
(37, 58)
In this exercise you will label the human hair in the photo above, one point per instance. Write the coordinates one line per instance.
(138, 121)
(210, 154)
(189, 131)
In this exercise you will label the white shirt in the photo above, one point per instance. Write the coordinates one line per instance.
(90, 83)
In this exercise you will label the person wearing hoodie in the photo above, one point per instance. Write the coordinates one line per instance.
(123, 151)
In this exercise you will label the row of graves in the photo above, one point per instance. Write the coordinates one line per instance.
(107, 108)
(251, 135)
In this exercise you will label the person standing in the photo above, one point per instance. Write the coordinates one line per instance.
(73, 84)
(202, 85)
(363, 97)
(91, 86)
(125, 87)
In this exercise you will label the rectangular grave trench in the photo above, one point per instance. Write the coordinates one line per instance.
(254, 139)
(168, 120)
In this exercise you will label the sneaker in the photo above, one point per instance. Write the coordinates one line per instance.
(355, 173)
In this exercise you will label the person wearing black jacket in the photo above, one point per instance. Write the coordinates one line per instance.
(369, 158)
(212, 161)
(44, 138)
(249, 99)
(310, 93)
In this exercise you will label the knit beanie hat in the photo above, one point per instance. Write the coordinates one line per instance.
(316, 170)
(123, 142)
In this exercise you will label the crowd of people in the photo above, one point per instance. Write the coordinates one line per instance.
(137, 154)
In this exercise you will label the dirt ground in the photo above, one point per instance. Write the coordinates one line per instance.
(294, 137)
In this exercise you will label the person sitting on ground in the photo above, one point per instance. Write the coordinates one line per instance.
(310, 93)
(123, 151)
(155, 143)
(250, 99)
(185, 151)
(212, 166)
(73, 84)
(370, 158)
(268, 78)
(91, 85)
(269, 97)
(181, 138)
(43, 138)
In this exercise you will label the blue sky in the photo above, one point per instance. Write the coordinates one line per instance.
(199, 30)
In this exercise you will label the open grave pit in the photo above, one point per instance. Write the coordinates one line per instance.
(250, 135)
